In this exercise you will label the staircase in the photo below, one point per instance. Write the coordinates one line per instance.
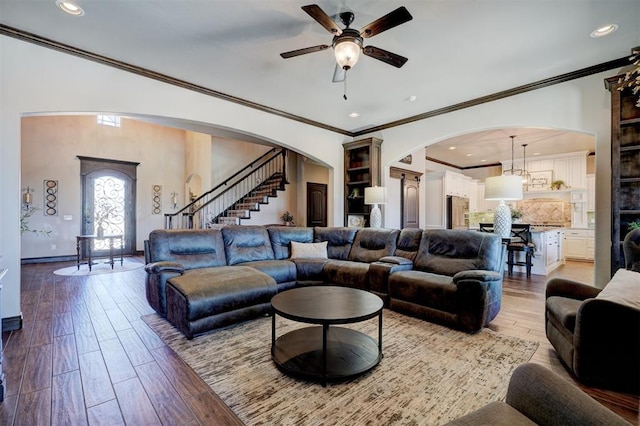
(233, 200)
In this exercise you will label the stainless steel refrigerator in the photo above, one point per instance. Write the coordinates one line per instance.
(457, 207)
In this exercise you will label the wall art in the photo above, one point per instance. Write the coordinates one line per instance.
(50, 201)
(156, 204)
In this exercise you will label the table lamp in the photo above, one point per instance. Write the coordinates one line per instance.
(373, 196)
(503, 188)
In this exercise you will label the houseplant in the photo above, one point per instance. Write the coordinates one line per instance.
(516, 215)
(287, 218)
(558, 184)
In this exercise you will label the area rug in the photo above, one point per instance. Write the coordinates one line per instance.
(429, 374)
(99, 268)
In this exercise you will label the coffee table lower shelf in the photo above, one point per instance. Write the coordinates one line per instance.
(349, 353)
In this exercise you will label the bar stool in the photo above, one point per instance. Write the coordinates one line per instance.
(520, 242)
(486, 227)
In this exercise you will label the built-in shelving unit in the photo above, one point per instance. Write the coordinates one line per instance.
(361, 170)
(625, 167)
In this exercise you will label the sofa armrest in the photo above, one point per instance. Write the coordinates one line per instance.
(477, 275)
(380, 271)
(158, 267)
(572, 289)
(548, 399)
(606, 345)
(396, 260)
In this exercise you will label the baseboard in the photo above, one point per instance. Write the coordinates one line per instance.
(31, 260)
(12, 323)
(68, 258)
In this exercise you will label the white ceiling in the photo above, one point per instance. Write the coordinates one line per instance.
(457, 50)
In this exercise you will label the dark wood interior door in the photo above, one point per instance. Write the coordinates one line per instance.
(316, 204)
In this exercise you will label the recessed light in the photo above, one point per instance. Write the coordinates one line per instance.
(603, 31)
(69, 7)
(354, 115)
(536, 153)
(452, 148)
(412, 98)
(483, 161)
(469, 155)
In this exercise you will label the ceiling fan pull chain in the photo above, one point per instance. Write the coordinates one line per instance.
(345, 86)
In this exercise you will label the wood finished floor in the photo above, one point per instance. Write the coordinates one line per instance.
(84, 356)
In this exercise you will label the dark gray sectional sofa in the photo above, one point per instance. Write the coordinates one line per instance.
(203, 279)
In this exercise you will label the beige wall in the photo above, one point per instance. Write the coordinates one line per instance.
(197, 166)
(49, 147)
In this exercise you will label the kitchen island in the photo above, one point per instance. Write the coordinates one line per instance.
(548, 254)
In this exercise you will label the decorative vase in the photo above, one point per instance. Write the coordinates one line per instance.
(502, 220)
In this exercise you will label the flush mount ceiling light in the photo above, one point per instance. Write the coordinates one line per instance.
(70, 8)
(603, 31)
(354, 115)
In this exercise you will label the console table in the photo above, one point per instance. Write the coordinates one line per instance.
(87, 241)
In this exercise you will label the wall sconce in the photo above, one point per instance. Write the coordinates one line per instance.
(174, 199)
(27, 198)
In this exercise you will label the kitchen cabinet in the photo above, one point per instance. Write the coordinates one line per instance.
(625, 166)
(456, 184)
(577, 243)
(361, 170)
(473, 195)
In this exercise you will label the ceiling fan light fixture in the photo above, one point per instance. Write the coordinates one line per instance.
(347, 50)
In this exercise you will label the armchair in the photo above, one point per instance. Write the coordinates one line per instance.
(539, 396)
(596, 333)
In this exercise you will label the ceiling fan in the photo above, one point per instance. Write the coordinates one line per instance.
(347, 43)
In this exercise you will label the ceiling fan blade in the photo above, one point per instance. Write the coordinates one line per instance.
(385, 56)
(322, 18)
(304, 51)
(388, 21)
(339, 74)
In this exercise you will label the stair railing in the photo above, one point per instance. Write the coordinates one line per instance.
(220, 200)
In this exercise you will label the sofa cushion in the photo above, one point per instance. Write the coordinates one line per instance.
(624, 288)
(309, 270)
(282, 236)
(193, 248)
(282, 271)
(408, 243)
(564, 311)
(347, 273)
(339, 240)
(246, 244)
(309, 250)
(370, 244)
(211, 291)
(425, 289)
(449, 251)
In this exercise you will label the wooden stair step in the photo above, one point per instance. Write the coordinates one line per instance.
(242, 214)
(255, 207)
(225, 220)
(261, 199)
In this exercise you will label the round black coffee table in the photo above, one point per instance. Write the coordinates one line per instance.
(323, 353)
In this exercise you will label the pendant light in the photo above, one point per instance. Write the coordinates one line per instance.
(512, 170)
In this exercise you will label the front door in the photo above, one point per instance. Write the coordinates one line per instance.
(108, 203)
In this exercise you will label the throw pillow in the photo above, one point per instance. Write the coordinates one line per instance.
(308, 250)
(624, 288)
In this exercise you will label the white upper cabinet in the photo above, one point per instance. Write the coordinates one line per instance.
(570, 168)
